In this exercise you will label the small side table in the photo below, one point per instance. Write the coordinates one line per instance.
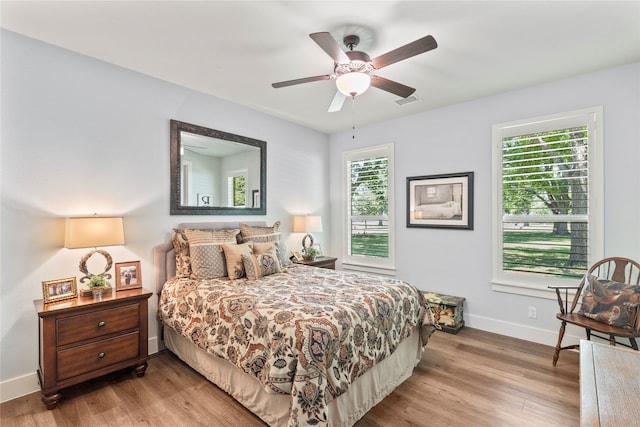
(449, 308)
(321, 261)
(84, 338)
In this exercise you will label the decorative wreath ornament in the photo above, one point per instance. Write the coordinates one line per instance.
(85, 270)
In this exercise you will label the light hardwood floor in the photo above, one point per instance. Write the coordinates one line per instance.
(474, 378)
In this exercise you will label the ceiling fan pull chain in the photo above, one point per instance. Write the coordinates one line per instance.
(353, 112)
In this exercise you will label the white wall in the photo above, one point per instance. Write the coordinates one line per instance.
(80, 136)
(458, 139)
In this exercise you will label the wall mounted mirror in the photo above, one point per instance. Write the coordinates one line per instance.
(216, 173)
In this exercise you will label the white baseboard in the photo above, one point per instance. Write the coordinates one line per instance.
(18, 387)
(515, 330)
(27, 384)
(153, 345)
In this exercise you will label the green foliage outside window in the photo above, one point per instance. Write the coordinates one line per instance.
(239, 190)
(369, 207)
(544, 175)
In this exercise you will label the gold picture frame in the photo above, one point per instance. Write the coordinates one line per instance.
(296, 256)
(59, 290)
(128, 275)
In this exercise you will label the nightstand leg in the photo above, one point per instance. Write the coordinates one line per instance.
(51, 400)
(140, 369)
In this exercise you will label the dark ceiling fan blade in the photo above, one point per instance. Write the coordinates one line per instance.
(330, 45)
(391, 86)
(417, 47)
(336, 103)
(300, 81)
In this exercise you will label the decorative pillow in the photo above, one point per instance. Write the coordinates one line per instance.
(233, 253)
(251, 233)
(264, 247)
(181, 249)
(603, 300)
(206, 254)
(257, 266)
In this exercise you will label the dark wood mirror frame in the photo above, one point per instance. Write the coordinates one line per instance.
(177, 208)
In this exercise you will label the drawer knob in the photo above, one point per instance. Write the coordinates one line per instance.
(101, 355)
(101, 324)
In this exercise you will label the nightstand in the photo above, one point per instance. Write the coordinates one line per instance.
(83, 338)
(321, 261)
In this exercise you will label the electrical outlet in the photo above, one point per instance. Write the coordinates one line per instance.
(532, 312)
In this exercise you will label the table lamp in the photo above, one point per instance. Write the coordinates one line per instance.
(307, 224)
(91, 232)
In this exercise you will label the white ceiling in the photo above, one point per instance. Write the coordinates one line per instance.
(234, 50)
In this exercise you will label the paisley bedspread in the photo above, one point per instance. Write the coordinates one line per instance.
(307, 332)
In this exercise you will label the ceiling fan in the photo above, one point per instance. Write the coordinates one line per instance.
(353, 69)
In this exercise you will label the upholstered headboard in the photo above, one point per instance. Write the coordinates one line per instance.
(164, 258)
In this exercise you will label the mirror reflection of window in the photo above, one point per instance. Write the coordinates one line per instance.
(237, 189)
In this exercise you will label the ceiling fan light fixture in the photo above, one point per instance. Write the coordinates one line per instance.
(353, 84)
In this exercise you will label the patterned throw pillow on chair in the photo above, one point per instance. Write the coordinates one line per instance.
(604, 300)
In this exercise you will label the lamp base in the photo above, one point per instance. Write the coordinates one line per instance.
(304, 242)
(85, 270)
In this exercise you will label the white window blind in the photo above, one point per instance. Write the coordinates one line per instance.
(546, 184)
(368, 182)
(545, 194)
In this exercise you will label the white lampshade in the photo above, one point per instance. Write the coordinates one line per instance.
(307, 224)
(353, 84)
(92, 232)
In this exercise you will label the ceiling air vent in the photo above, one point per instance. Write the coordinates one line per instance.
(408, 100)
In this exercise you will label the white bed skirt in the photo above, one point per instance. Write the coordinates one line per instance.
(368, 390)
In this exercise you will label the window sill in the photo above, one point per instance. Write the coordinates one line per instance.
(369, 269)
(531, 290)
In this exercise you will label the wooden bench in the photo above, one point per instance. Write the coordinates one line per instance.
(609, 385)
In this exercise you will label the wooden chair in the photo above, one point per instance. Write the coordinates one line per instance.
(622, 270)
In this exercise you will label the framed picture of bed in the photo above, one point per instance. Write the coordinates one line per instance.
(440, 201)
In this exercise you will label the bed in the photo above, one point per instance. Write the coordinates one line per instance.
(446, 210)
(298, 346)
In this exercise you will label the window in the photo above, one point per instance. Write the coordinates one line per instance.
(547, 193)
(369, 207)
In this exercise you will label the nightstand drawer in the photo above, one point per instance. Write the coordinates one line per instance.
(93, 325)
(87, 358)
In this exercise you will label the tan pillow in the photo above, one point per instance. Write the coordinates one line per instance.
(233, 254)
(255, 234)
(257, 266)
(206, 254)
(264, 247)
(252, 230)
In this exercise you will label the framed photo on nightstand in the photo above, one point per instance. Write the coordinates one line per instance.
(128, 275)
(59, 290)
(296, 256)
